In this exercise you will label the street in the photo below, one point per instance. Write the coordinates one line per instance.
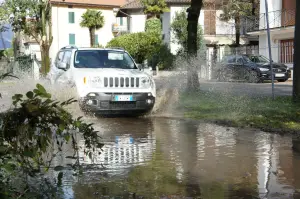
(169, 80)
(154, 147)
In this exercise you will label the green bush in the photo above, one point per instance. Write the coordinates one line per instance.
(164, 59)
(153, 25)
(32, 133)
(141, 46)
(179, 30)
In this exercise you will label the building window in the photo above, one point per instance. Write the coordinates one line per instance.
(96, 40)
(287, 51)
(209, 22)
(121, 21)
(71, 39)
(71, 17)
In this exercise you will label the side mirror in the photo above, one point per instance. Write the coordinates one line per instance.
(140, 66)
(62, 66)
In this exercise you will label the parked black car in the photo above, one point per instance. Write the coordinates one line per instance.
(252, 68)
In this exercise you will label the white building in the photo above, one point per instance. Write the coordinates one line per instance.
(66, 18)
(282, 24)
(216, 32)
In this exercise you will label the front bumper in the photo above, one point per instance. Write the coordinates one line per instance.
(277, 76)
(105, 103)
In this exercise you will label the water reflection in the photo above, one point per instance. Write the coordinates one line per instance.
(161, 158)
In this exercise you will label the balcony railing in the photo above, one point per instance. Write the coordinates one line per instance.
(277, 19)
(221, 30)
(117, 28)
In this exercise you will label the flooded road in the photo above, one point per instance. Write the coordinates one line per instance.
(155, 157)
(166, 158)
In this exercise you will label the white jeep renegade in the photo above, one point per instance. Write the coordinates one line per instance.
(107, 80)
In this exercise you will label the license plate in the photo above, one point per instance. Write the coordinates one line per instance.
(123, 98)
(279, 75)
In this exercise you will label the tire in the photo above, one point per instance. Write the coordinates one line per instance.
(282, 80)
(224, 75)
(253, 77)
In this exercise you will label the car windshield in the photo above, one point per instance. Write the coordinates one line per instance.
(259, 59)
(246, 59)
(103, 59)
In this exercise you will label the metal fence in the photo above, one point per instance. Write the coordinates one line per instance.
(24, 66)
(277, 19)
(282, 52)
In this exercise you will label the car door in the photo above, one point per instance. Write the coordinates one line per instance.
(55, 72)
(65, 76)
(239, 68)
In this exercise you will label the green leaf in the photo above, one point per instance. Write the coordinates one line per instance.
(29, 95)
(59, 179)
(41, 88)
(2, 149)
(28, 153)
(62, 127)
(58, 168)
(71, 157)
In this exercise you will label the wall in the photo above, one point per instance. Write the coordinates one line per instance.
(137, 22)
(61, 28)
(166, 26)
(224, 28)
(274, 17)
(264, 48)
(33, 48)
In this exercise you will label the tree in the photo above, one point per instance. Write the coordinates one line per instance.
(154, 7)
(141, 46)
(153, 25)
(33, 18)
(192, 28)
(93, 20)
(234, 10)
(32, 133)
(296, 68)
(179, 29)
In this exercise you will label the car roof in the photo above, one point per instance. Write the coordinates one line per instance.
(90, 48)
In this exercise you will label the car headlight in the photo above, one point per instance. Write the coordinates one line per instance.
(264, 69)
(145, 82)
(94, 81)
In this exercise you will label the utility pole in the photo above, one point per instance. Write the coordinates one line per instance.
(270, 48)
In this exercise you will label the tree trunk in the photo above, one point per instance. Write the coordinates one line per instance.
(45, 67)
(92, 37)
(237, 30)
(193, 16)
(296, 68)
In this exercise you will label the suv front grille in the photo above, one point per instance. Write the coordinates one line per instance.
(121, 82)
(121, 105)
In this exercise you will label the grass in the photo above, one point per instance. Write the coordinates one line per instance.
(279, 115)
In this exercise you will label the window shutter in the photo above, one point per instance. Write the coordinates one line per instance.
(121, 21)
(71, 17)
(96, 40)
(71, 39)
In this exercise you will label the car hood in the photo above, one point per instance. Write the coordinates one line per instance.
(108, 72)
(275, 65)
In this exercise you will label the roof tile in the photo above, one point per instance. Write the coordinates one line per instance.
(92, 2)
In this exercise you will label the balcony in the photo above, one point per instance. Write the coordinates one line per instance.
(221, 30)
(116, 28)
(277, 19)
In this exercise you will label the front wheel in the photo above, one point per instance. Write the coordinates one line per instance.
(282, 80)
(252, 77)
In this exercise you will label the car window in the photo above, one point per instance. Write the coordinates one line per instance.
(103, 59)
(67, 58)
(59, 57)
(239, 60)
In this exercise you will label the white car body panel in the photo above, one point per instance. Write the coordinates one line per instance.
(75, 76)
